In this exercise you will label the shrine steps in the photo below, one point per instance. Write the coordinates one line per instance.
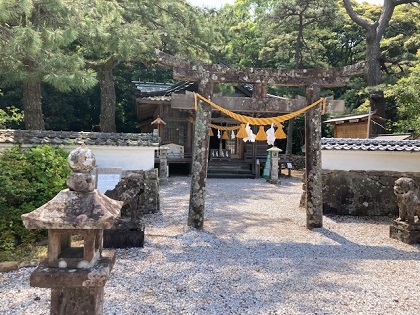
(220, 169)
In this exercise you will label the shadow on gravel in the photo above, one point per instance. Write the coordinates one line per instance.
(348, 219)
(217, 272)
(222, 276)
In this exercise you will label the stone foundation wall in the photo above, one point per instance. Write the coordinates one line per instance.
(361, 193)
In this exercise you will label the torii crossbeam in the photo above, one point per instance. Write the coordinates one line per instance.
(208, 74)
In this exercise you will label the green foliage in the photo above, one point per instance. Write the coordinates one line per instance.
(406, 94)
(355, 96)
(70, 111)
(30, 177)
(25, 252)
(401, 42)
(11, 115)
(345, 40)
(35, 36)
(295, 32)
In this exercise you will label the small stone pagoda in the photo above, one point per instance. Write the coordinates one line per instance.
(77, 267)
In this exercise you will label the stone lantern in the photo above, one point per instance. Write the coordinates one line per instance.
(77, 215)
(163, 165)
(274, 165)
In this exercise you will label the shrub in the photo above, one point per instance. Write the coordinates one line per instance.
(10, 117)
(30, 177)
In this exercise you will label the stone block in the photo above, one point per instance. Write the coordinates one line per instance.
(140, 192)
(57, 278)
(124, 234)
(31, 263)
(405, 232)
(81, 301)
(7, 266)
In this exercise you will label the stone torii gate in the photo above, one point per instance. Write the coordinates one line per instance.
(311, 79)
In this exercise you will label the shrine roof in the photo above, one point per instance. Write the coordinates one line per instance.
(77, 138)
(352, 118)
(156, 91)
(370, 144)
(161, 91)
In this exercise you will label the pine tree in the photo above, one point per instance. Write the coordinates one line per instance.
(375, 30)
(34, 41)
(111, 32)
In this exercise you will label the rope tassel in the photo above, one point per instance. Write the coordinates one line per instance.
(261, 135)
(242, 132)
(279, 134)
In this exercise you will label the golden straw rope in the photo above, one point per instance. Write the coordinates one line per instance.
(224, 128)
(260, 121)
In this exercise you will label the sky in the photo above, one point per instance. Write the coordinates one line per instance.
(219, 3)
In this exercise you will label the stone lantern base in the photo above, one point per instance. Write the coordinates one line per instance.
(75, 291)
(405, 232)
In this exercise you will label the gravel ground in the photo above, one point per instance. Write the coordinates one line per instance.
(254, 256)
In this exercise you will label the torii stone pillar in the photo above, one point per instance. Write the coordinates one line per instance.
(311, 79)
(313, 165)
(200, 158)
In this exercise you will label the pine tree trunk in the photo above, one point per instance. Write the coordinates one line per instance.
(373, 54)
(32, 106)
(108, 98)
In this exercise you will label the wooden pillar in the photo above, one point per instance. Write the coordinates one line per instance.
(190, 126)
(313, 178)
(254, 157)
(199, 163)
(259, 90)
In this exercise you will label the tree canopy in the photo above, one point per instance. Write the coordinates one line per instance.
(34, 41)
(55, 51)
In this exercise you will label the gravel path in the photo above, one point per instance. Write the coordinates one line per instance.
(255, 256)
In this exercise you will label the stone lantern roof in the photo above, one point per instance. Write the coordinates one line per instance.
(74, 210)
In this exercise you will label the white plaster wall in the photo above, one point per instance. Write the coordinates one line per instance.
(398, 161)
(128, 158)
